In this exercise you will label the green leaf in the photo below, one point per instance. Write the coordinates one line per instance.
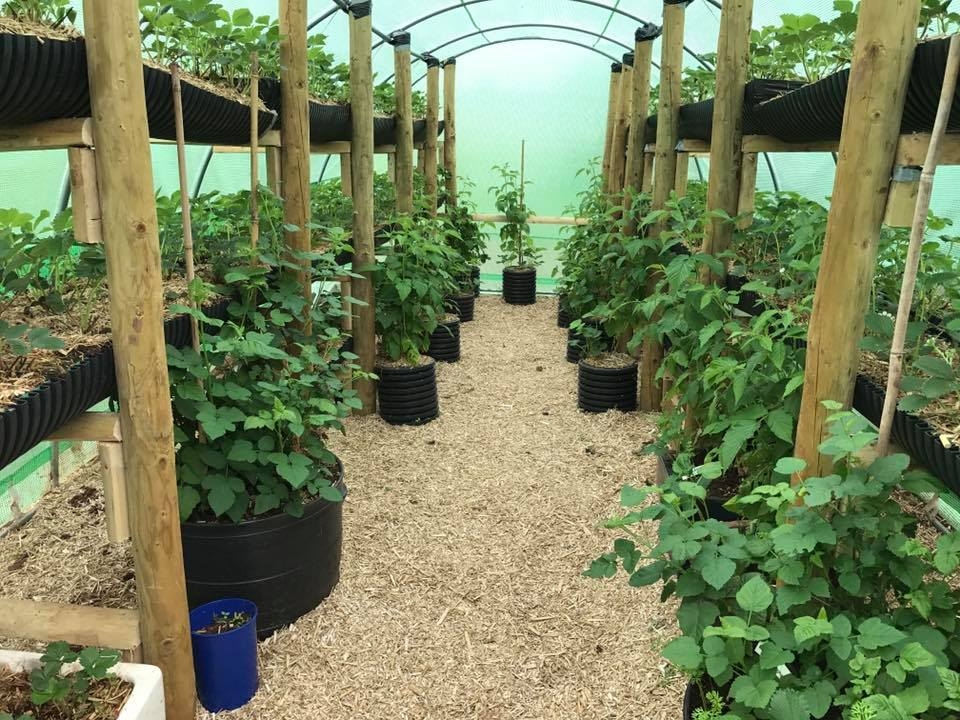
(914, 656)
(745, 689)
(915, 699)
(188, 499)
(220, 498)
(718, 571)
(874, 634)
(937, 367)
(780, 423)
(789, 466)
(789, 705)
(773, 656)
(755, 595)
(947, 555)
(242, 451)
(631, 496)
(684, 652)
(734, 440)
(292, 467)
(807, 628)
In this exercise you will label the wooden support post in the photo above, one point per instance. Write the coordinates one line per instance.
(90, 427)
(902, 198)
(421, 161)
(430, 156)
(404, 94)
(114, 491)
(683, 173)
(748, 190)
(132, 246)
(273, 171)
(618, 148)
(616, 72)
(254, 150)
(49, 135)
(392, 168)
(882, 58)
(664, 173)
(726, 151)
(646, 184)
(346, 174)
(361, 103)
(642, 66)
(295, 136)
(450, 128)
(85, 195)
(54, 464)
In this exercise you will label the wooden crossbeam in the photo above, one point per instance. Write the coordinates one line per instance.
(533, 220)
(91, 427)
(49, 135)
(75, 624)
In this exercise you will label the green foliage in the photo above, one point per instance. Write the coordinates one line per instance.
(252, 407)
(412, 283)
(517, 248)
(464, 235)
(53, 13)
(822, 599)
(385, 100)
(48, 684)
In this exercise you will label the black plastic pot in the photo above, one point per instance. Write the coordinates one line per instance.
(176, 330)
(714, 505)
(464, 306)
(563, 315)
(600, 389)
(475, 275)
(37, 413)
(696, 119)
(445, 341)
(408, 395)
(285, 565)
(520, 286)
(750, 302)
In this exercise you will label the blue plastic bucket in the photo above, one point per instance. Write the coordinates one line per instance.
(226, 664)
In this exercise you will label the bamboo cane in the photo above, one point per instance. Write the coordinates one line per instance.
(184, 201)
(895, 373)
(254, 151)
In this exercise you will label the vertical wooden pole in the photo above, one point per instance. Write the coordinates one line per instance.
(132, 247)
(55, 464)
(726, 143)
(404, 94)
(361, 103)
(392, 167)
(748, 190)
(882, 58)
(616, 71)
(450, 128)
(683, 173)
(646, 185)
(84, 195)
(642, 66)
(618, 149)
(664, 173)
(116, 507)
(430, 156)
(346, 174)
(295, 136)
(254, 150)
(184, 199)
(273, 171)
(421, 161)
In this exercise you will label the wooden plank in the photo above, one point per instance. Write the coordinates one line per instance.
(361, 102)
(765, 143)
(618, 150)
(132, 246)
(114, 491)
(534, 219)
(646, 184)
(643, 67)
(49, 135)
(882, 58)
(450, 128)
(85, 195)
(90, 427)
(902, 197)
(613, 100)
(913, 149)
(75, 624)
(683, 173)
(403, 158)
(431, 156)
(274, 176)
(346, 174)
(269, 139)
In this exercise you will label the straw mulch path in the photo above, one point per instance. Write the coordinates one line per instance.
(461, 594)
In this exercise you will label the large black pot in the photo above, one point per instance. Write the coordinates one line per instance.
(408, 395)
(445, 341)
(37, 413)
(600, 389)
(563, 314)
(463, 306)
(475, 276)
(520, 286)
(285, 565)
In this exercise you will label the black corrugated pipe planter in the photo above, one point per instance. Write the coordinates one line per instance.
(286, 565)
(714, 503)
(408, 395)
(576, 344)
(445, 340)
(475, 277)
(463, 306)
(563, 314)
(520, 285)
(607, 382)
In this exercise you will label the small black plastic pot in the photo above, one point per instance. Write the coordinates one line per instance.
(475, 276)
(563, 315)
(714, 505)
(408, 395)
(750, 302)
(575, 344)
(285, 565)
(463, 306)
(445, 341)
(600, 389)
(520, 285)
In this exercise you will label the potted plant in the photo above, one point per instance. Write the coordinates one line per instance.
(464, 236)
(411, 283)
(518, 251)
(223, 634)
(260, 494)
(605, 380)
(87, 684)
(821, 603)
